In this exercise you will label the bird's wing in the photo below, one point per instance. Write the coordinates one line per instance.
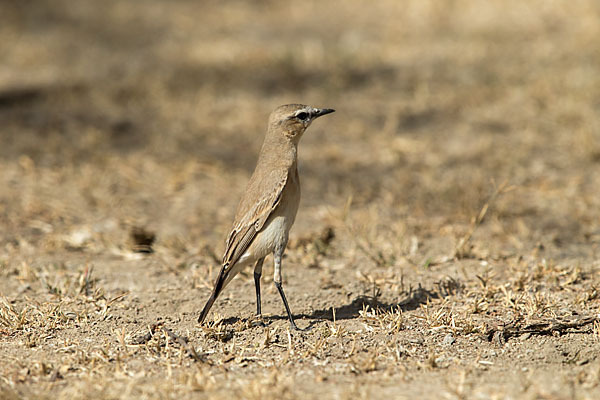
(254, 210)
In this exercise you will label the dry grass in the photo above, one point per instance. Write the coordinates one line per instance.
(448, 240)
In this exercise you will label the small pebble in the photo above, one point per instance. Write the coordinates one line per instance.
(416, 340)
(448, 340)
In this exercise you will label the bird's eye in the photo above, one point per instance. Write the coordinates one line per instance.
(303, 116)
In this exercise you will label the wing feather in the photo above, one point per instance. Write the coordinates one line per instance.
(248, 223)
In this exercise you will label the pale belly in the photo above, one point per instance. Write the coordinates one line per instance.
(274, 234)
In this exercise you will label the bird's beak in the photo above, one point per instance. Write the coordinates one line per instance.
(321, 111)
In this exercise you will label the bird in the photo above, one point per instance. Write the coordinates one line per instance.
(268, 207)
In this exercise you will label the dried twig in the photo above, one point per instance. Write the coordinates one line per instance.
(145, 338)
(461, 249)
(501, 333)
(182, 341)
(369, 250)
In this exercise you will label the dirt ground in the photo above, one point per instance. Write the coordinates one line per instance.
(448, 239)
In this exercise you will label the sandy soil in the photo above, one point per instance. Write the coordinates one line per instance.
(448, 240)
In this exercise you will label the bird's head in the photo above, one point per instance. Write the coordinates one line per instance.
(292, 120)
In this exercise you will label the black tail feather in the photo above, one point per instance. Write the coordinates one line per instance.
(213, 296)
(206, 308)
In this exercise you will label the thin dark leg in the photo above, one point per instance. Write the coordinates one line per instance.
(277, 256)
(287, 307)
(257, 275)
(257, 284)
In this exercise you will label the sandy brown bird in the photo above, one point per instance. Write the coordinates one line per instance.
(268, 208)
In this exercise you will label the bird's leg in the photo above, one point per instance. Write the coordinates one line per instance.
(257, 275)
(277, 279)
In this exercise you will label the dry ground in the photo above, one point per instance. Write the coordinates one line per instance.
(448, 242)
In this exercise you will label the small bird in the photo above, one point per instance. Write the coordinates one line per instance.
(269, 205)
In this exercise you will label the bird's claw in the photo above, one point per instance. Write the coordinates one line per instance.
(295, 328)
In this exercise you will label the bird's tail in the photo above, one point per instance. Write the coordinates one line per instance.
(206, 308)
(219, 285)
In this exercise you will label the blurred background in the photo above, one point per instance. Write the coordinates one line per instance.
(124, 115)
(451, 199)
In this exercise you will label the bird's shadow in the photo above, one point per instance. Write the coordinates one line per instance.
(413, 299)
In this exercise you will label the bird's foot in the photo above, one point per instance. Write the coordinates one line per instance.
(295, 327)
